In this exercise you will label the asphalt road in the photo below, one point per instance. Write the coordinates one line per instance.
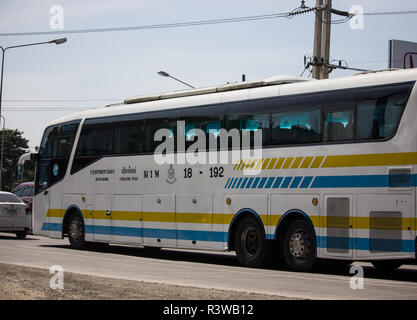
(205, 270)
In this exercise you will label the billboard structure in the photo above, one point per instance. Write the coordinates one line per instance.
(402, 54)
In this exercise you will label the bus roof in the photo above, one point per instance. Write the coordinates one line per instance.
(275, 86)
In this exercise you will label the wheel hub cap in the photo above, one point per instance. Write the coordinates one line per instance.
(299, 244)
(75, 230)
(251, 241)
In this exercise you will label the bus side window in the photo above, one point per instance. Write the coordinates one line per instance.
(207, 118)
(339, 125)
(296, 126)
(96, 140)
(129, 137)
(156, 121)
(251, 117)
(380, 110)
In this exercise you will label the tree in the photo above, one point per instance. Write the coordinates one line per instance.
(14, 146)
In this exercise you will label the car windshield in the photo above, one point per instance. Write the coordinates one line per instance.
(6, 197)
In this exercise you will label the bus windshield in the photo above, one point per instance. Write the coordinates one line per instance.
(54, 153)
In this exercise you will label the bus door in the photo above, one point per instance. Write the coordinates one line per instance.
(40, 217)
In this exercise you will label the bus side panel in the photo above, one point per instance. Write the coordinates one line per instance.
(384, 226)
(256, 204)
(295, 203)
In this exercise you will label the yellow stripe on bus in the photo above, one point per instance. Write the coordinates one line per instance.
(296, 163)
(368, 160)
(365, 223)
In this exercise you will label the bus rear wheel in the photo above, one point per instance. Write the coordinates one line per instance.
(299, 246)
(76, 232)
(250, 245)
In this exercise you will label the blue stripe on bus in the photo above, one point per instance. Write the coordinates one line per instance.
(286, 182)
(239, 182)
(362, 181)
(269, 182)
(277, 182)
(306, 182)
(295, 182)
(198, 235)
(245, 180)
(369, 244)
(249, 183)
(353, 181)
(255, 183)
(52, 227)
(337, 243)
(227, 183)
(262, 183)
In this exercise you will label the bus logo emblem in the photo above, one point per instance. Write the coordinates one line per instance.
(171, 175)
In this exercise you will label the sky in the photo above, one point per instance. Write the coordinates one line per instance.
(94, 69)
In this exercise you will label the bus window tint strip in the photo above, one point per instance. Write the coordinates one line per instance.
(288, 120)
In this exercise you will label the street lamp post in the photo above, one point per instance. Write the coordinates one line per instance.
(166, 74)
(2, 148)
(56, 41)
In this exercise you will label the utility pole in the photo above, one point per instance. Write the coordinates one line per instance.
(325, 42)
(320, 62)
(317, 40)
(322, 39)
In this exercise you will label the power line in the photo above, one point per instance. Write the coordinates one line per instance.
(154, 26)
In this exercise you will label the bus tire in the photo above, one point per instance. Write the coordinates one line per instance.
(21, 234)
(250, 244)
(299, 246)
(387, 265)
(76, 232)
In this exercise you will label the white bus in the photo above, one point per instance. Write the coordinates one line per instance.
(336, 179)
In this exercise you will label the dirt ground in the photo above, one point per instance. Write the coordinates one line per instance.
(26, 283)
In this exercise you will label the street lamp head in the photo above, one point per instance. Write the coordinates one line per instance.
(59, 41)
(163, 74)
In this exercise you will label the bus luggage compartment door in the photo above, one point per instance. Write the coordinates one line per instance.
(127, 218)
(194, 220)
(102, 217)
(159, 228)
(384, 225)
(338, 240)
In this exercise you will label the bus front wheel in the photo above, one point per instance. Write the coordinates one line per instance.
(21, 234)
(76, 232)
(250, 245)
(299, 247)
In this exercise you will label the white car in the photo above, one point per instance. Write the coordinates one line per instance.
(14, 215)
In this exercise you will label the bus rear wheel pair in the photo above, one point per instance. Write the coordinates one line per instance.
(297, 246)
